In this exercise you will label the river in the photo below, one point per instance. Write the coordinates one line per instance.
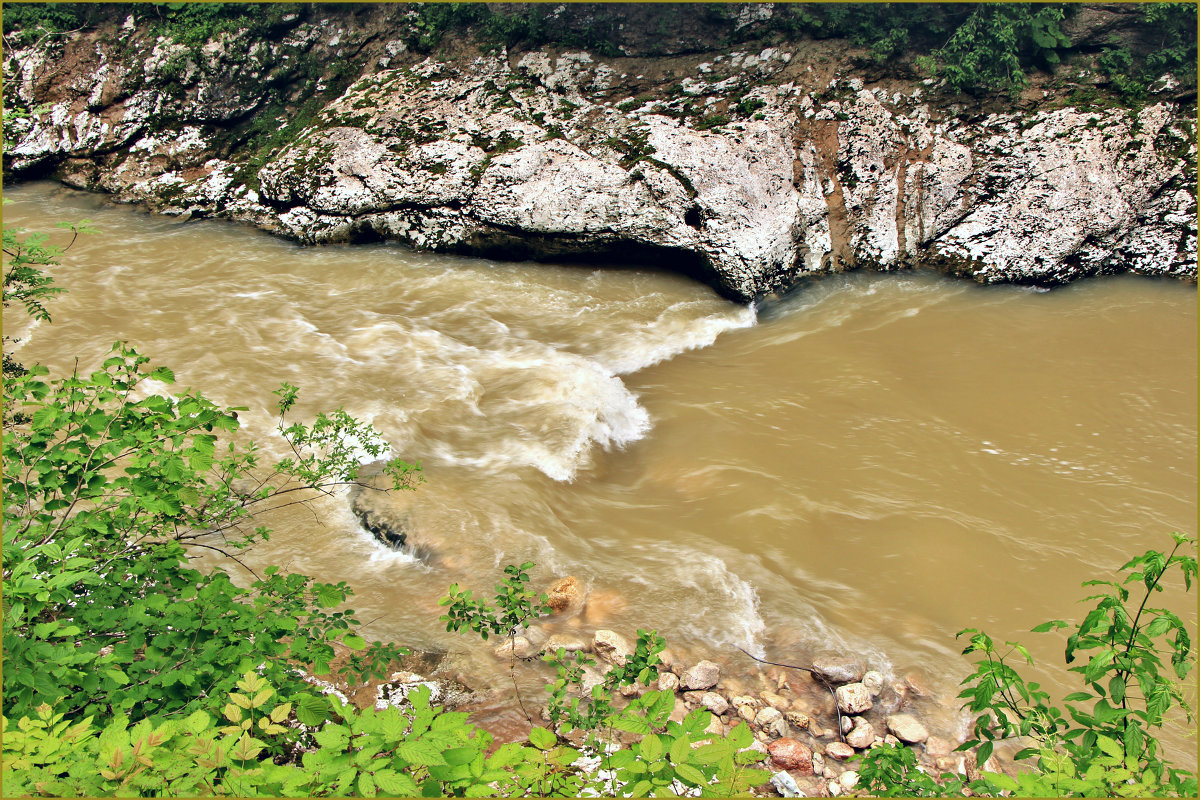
(868, 464)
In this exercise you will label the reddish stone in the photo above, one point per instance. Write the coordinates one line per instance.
(792, 755)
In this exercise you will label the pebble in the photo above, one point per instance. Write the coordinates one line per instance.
(668, 681)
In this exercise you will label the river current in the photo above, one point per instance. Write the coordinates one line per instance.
(866, 465)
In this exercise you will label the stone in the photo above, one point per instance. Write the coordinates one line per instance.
(818, 761)
(565, 596)
(937, 746)
(791, 755)
(853, 698)
(518, 646)
(834, 788)
(837, 669)
(797, 719)
(668, 681)
(786, 785)
(873, 680)
(714, 703)
(839, 750)
(848, 779)
(611, 647)
(702, 676)
(907, 728)
(776, 701)
(862, 735)
(536, 635)
(771, 721)
(571, 644)
(715, 726)
(847, 724)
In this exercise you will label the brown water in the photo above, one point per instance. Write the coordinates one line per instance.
(867, 465)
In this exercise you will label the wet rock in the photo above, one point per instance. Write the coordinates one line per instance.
(791, 755)
(861, 735)
(747, 707)
(571, 644)
(853, 698)
(797, 719)
(715, 726)
(937, 746)
(702, 676)
(565, 596)
(714, 703)
(776, 701)
(839, 750)
(907, 728)
(818, 762)
(611, 647)
(873, 680)
(848, 779)
(771, 721)
(518, 646)
(847, 724)
(834, 789)
(837, 669)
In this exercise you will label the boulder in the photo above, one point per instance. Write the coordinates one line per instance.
(907, 728)
(565, 595)
(702, 676)
(853, 698)
(791, 755)
(837, 669)
(572, 644)
(611, 647)
(518, 646)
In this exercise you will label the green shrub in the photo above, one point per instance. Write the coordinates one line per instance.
(1102, 741)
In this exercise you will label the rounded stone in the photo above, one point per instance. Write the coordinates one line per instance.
(792, 755)
(837, 669)
(862, 735)
(702, 676)
(839, 750)
(853, 698)
(668, 681)
(907, 728)
(873, 680)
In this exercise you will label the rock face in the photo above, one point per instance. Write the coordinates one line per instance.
(548, 154)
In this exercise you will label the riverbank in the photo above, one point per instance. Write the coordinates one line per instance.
(747, 162)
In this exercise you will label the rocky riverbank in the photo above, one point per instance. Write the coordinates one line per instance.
(749, 166)
(809, 720)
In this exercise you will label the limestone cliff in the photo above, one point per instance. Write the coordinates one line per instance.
(750, 165)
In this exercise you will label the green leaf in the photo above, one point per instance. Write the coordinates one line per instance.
(396, 784)
(354, 642)
(421, 753)
(651, 747)
(311, 709)
(541, 738)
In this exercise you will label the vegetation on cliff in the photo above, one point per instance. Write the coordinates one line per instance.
(976, 47)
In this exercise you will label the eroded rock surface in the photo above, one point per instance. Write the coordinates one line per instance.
(749, 169)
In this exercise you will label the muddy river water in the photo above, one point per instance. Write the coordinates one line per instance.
(867, 465)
